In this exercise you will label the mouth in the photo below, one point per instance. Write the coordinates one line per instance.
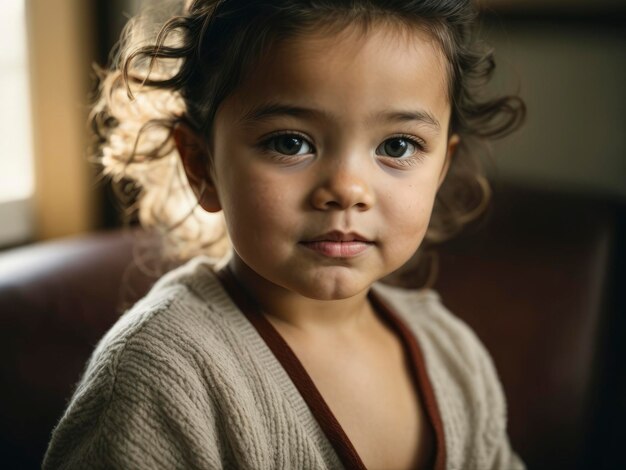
(338, 244)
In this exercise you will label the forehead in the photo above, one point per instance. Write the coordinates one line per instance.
(351, 73)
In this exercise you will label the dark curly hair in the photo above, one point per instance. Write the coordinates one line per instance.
(185, 69)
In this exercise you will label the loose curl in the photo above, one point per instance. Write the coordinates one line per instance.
(185, 69)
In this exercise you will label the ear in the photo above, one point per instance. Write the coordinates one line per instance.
(453, 142)
(195, 158)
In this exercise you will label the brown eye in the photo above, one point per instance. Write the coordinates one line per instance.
(290, 144)
(396, 147)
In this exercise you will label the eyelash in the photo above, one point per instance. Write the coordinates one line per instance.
(417, 157)
(419, 144)
(265, 145)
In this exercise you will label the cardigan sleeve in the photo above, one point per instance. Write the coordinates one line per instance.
(137, 407)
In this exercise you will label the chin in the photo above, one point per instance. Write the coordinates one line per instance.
(333, 287)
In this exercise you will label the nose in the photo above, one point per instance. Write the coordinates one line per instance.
(341, 190)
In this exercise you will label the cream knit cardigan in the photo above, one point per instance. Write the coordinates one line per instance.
(183, 380)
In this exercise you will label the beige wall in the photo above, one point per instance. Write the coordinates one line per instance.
(573, 78)
(59, 37)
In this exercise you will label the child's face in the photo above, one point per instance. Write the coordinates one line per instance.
(345, 134)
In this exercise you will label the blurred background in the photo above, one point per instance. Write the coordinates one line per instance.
(566, 58)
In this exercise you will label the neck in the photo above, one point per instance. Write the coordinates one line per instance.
(289, 309)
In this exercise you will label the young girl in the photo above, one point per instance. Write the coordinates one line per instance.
(314, 137)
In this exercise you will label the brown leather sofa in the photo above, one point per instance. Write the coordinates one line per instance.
(539, 281)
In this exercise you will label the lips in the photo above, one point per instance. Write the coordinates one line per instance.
(338, 244)
(338, 236)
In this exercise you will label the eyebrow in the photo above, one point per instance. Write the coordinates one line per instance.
(275, 109)
(421, 116)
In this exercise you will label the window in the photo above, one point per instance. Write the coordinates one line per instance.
(16, 156)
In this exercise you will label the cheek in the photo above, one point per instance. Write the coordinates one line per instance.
(407, 214)
(411, 225)
(256, 205)
(408, 208)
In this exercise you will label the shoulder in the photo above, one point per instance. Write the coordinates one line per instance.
(185, 314)
(180, 302)
(146, 374)
(447, 342)
(463, 376)
(444, 332)
(156, 320)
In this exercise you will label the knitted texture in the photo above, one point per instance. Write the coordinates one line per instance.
(183, 380)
